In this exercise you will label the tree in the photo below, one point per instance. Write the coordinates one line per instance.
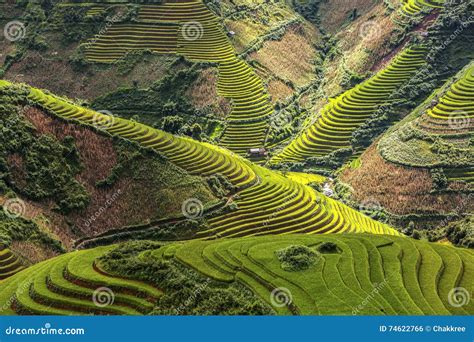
(172, 124)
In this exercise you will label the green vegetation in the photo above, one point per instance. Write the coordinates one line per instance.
(49, 166)
(21, 229)
(412, 7)
(293, 207)
(367, 275)
(296, 258)
(189, 29)
(177, 105)
(343, 115)
(9, 263)
(72, 284)
(439, 134)
(185, 291)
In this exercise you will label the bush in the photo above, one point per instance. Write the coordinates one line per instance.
(172, 124)
(328, 247)
(296, 258)
(186, 292)
(461, 234)
(439, 179)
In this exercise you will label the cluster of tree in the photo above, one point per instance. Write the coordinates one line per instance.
(184, 290)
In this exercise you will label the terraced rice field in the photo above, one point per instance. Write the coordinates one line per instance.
(94, 11)
(189, 29)
(411, 7)
(268, 202)
(9, 263)
(344, 114)
(364, 275)
(122, 38)
(456, 105)
(451, 120)
(72, 284)
(399, 275)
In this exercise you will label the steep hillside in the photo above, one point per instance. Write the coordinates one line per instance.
(229, 62)
(67, 181)
(421, 169)
(351, 120)
(266, 202)
(309, 275)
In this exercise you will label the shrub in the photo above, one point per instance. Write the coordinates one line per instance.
(439, 179)
(416, 235)
(296, 257)
(172, 124)
(186, 292)
(328, 247)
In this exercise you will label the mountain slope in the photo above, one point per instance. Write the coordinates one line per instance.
(293, 207)
(310, 275)
(421, 169)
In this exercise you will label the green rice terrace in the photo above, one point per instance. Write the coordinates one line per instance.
(189, 29)
(343, 115)
(236, 157)
(291, 274)
(9, 263)
(412, 7)
(445, 121)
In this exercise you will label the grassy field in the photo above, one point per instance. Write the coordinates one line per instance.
(350, 274)
(333, 128)
(189, 29)
(439, 133)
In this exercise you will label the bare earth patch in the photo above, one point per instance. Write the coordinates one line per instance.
(400, 190)
(278, 90)
(203, 93)
(31, 252)
(291, 58)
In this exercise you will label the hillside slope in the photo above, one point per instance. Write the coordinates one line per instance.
(267, 202)
(64, 182)
(309, 275)
(421, 169)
